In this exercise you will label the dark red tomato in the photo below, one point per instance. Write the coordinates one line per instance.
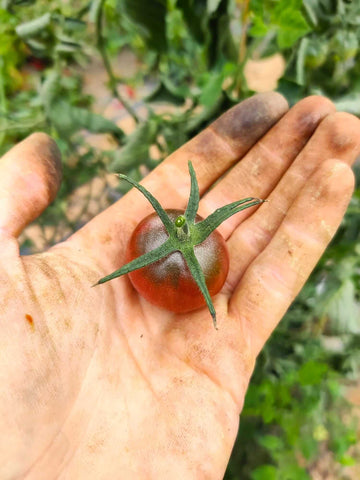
(168, 282)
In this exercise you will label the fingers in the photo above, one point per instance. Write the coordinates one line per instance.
(217, 148)
(30, 176)
(272, 281)
(260, 170)
(212, 152)
(338, 135)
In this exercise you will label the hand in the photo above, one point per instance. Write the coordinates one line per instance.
(99, 384)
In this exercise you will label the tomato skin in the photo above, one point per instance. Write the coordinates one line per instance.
(168, 282)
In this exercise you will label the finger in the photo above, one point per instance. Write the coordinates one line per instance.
(30, 176)
(275, 277)
(338, 135)
(216, 148)
(260, 170)
(212, 152)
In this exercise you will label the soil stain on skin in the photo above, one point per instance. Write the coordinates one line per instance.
(244, 124)
(30, 321)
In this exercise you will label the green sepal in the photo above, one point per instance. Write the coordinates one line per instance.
(193, 205)
(204, 228)
(199, 277)
(168, 224)
(139, 262)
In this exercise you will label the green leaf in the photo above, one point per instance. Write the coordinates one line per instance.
(95, 6)
(291, 27)
(212, 90)
(272, 443)
(150, 17)
(12, 3)
(294, 472)
(343, 309)
(291, 90)
(259, 28)
(33, 27)
(312, 373)
(310, 10)
(74, 24)
(36, 46)
(265, 472)
(69, 119)
(212, 6)
(345, 44)
(200, 120)
(300, 61)
(337, 303)
(317, 50)
(50, 88)
(162, 93)
(347, 461)
(136, 149)
(67, 47)
(349, 103)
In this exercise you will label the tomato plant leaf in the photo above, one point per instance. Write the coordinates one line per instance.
(291, 27)
(211, 90)
(212, 6)
(136, 149)
(69, 119)
(264, 472)
(33, 27)
(300, 61)
(150, 19)
(162, 93)
(349, 103)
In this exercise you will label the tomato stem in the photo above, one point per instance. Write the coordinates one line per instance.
(182, 229)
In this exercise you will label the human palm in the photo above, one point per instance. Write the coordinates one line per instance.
(98, 383)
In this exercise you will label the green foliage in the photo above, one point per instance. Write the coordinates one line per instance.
(283, 18)
(193, 53)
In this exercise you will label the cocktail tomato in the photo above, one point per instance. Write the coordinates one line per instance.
(176, 259)
(168, 282)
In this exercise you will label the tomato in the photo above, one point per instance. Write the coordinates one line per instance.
(168, 282)
(177, 260)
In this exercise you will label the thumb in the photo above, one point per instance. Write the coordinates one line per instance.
(30, 176)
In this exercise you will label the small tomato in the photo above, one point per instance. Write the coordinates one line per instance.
(168, 282)
(176, 259)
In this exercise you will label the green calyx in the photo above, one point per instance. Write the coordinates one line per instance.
(184, 234)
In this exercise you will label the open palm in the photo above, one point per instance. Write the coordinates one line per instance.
(99, 384)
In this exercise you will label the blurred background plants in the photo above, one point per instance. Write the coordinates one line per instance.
(191, 59)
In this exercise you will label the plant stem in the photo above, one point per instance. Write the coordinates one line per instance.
(183, 232)
(3, 109)
(102, 49)
(245, 4)
(23, 126)
(244, 23)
